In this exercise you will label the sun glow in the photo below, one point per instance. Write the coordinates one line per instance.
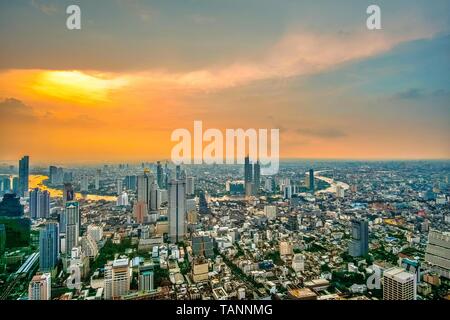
(77, 86)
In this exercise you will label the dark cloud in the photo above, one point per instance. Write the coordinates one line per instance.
(328, 133)
(13, 108)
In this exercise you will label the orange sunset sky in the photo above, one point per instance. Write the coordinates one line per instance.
(115, 90)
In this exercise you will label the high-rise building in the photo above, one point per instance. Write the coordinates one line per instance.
(130, 182)
(119, 186)
(40, 287)
(140, 211)
(39, 204)
(17, 227)
(146, 278)
(24, 171)
(97, 179)
(437, 254)
(340, 192)
(190, 187)
(399, 285)
(311, 180)
(160, 175)
(270, 212)
(177, 210)
(89, 246)
(155, 197)
(202, 245)
(359, 245)
(68, 193)
(48, 246)
(203, 204)
(2, 239)
(72, 214)
(15, 185)
(84, 183)
(122, 199)
(96, 232)
(248, 176)
(256, 177)
(117, 279)
(144, 183)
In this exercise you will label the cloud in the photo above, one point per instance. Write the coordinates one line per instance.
(295, 54)
(43, 6)
(11, 108)
(418, 93)
(328, 133)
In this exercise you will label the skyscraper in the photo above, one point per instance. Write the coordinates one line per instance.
(48, 246)
(256, 177)
(177, 210)
(97, 179)
(190, 187)
(24, 171)
(311, 180)
(117, 279)
(119, 186)
(155, 197)
(144, 183)
(399, 285)
(40, 287)
(248, 174)
(39, 204)
(146, 278)
(159, 175)
(72, 215)
(140, 211)
(359, 245)
(437, 254)
(68, 193)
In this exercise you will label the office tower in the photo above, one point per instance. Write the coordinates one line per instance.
(140, 211)
(68, 193)
(84, 183)
(248, 177)
(311, 180)
(399, 285)
(190, 187)
(122, 199)
(202, 246)
(89, 246)
(48, 246)
(130, 182)
(256, 177)
(7, 184)
(144, 183)
(117, 279)
(437, 254)
(119, 186)
(24, 171)
(15, 185)
(359, 245)
(177, 210)
(72, 214)
(203, 204)
(146, 278)
(159, 175)
(40, 287)
(2, 239)
(39, 204)
(155, 197)
(97, 179)
(166, 175)
(52, 172)
(178, 172)
(67, 177)
(95, 232)
(268, 185)
(287, 192)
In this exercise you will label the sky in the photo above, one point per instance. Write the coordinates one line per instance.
(115, 90)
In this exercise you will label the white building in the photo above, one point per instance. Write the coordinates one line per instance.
(40, 287)
(117, 279)
(399, 285)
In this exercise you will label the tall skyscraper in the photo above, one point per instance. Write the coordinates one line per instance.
(155, 197)
(39, 204)
(117, 279)
(359, 245)
(84, 183)
(40, 287)
(68, 193)
(190, 187)
(97, 179)
(256, 177)
(248, 174)
(15, 185)
(399, 285)
(72, 214)
(144, 183)
(159, 175)
(437, 254)
(24, 171)
(48, 246)
(311, 180)
(119, 186)
(177, 210)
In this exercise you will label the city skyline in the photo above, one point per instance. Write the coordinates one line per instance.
(138, 70)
